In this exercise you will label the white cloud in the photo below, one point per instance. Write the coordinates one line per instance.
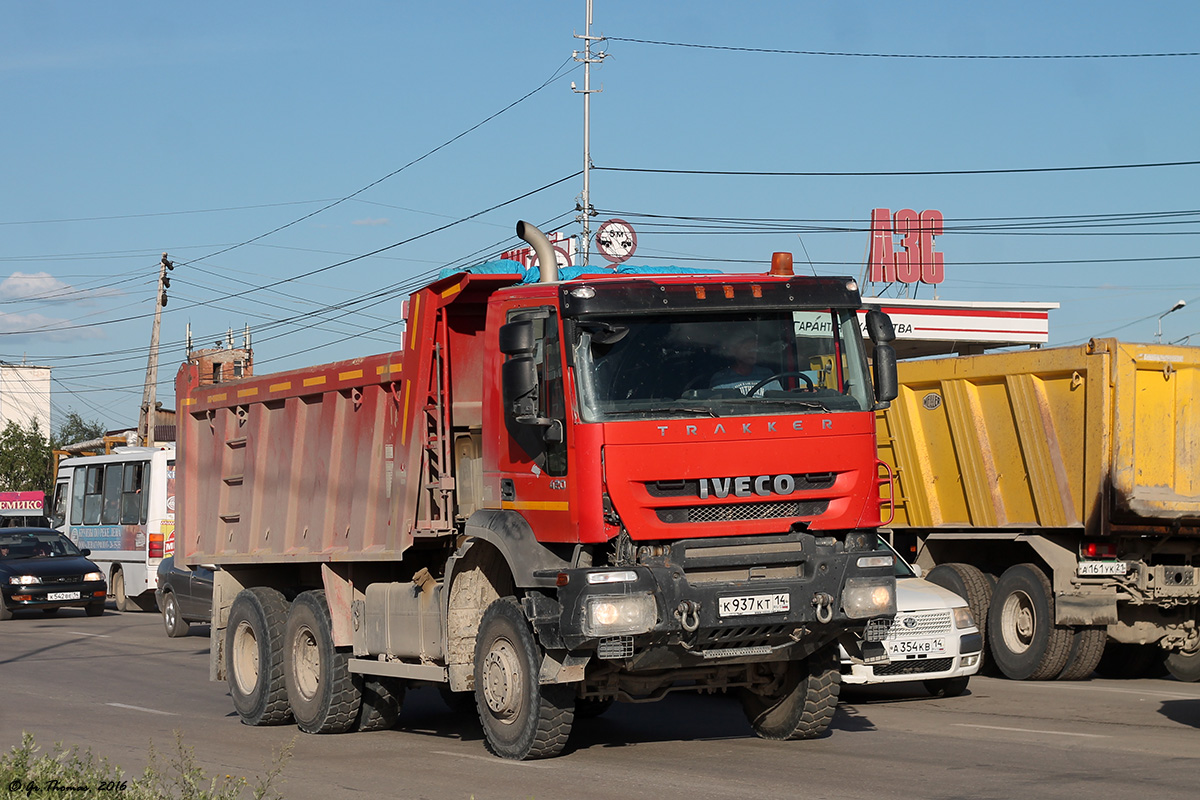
(15, 326)
(44, 286)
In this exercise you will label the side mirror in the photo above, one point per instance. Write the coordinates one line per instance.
(516, 338)
(887, 385)
(519, 384)
(879, 327)
(86, 551)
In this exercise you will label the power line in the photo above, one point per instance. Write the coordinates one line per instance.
(893, 174)
(841, 54)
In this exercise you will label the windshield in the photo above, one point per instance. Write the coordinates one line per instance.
(33, 544)
(766, 362)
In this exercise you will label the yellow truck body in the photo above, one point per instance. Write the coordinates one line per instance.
(1081, 462)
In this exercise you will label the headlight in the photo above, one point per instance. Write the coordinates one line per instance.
(869, 597)
(619, 615)
(24, 580)
(963, 618)
(94, 576)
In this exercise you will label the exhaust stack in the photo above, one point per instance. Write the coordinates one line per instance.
(547, 261)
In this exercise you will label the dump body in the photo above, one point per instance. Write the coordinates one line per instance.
(1084, 460)
(558, 457)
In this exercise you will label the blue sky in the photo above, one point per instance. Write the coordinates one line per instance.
(134, 128)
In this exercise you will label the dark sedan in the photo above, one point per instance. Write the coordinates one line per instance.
(184, 595)
(42, 569)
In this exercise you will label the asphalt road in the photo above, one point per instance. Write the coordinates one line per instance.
(116, 683)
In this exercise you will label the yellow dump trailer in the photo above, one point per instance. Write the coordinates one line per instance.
(1059, 491)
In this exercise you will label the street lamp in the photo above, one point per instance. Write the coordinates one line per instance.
(1176, 307)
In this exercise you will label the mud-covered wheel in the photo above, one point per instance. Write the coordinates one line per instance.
(972, 585)
(802, 700)
(521, 718)
(324, 694)
(254, 656)
(173, 621)
(1184, 665)
(381, 701)
(1087, 648)
(1026, 644)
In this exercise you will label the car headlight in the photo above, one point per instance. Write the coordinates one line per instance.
(619, 614)
(963, 618)
(94, 576)
(24, 580)
(869, 597)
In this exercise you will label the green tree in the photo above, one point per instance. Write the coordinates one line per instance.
(75, 429)
(24, 458)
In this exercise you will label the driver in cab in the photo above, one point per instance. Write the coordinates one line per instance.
(745, 373)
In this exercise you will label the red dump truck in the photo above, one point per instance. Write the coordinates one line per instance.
(557, 494)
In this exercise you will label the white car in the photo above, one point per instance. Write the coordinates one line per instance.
(933, 639)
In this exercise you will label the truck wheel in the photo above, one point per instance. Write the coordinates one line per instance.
(947, 687)
(1184, 666)
(1087, 647)
(521, 718)
(254, 656)
(118, 582)
(381, 701)
(175, 624)
(1026, 644)
(324, 694)
(970, 584)
(803, 702)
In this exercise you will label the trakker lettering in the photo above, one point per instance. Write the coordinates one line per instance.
(747, 427)
(748, 486)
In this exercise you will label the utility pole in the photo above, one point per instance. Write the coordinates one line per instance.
(585, 207)
(146, 421)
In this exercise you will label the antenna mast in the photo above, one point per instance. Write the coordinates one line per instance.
(585, 206)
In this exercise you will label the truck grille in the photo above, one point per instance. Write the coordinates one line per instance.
(691, 488)
(919, 625)
(916, 667)
(741, 511)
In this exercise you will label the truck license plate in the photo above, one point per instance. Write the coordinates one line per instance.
(749, 604)
(1103, 568)
(62, 595)
(906, 647)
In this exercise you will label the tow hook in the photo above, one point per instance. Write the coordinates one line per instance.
(824, 605)
(684, 610)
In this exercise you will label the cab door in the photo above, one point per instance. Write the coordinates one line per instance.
(533, 461)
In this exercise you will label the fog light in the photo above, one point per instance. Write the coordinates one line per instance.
(968, 661)
(869, 597)
(617, 615)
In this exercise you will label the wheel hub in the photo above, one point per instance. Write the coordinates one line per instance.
(502, 690)
(307, 662)
(1018, 622)
(245, 658)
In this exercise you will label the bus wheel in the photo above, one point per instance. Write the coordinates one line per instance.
(254, 656)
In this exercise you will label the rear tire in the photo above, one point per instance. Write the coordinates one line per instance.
(1087, 648)
(521, 718)
(802, 704)
(254, 656)
(1026, 644)
(1184, 666)
(175, 624)
(381, 702)
(324, 694)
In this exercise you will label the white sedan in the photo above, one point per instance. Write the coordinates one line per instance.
(933, 639)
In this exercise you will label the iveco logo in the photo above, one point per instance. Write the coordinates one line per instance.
(747, 486)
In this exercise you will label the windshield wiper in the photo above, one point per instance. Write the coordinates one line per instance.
(700, 411)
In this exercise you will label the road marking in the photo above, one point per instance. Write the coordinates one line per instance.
(494, 760)
(1060, 686)
(98, 635)
(1031, 730)
(147, 710)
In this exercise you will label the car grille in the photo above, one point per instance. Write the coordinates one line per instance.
(915, 667)
(62, 579)
(923, 623)
(730, 512)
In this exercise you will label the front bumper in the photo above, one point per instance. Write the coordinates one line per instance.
(695, 603)
(54, 595)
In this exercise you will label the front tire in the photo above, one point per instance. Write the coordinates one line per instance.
(175, 624)
(1026, 644)
(324, 694)
(1184, 666)
(381, 701)
(801, 703)
(521, 718)
(254, 656)
(118, 583)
